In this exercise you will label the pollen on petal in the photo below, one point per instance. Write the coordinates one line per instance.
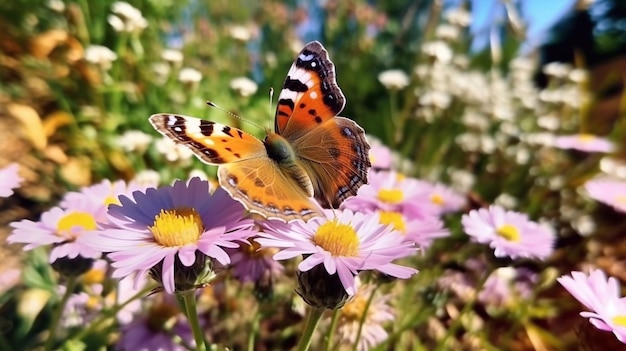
(390, 196)
(509, 232)
(177, 227)
(337, 238)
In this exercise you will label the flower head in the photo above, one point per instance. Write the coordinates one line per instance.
(421, 231)
(509, 233)
(377, 312)
(9, 179)
(600, 295)
(345, 243)
(100, 55)
(243, 86)
(391, 191)
(584, 142)
(61, 227)
(171, 227)
(251, 263)
(608, 191)
(394, 79)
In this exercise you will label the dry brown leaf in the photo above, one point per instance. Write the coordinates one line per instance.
(56, 154)
(77, 171)
(43, 44)
(55, 120)
(32, 125)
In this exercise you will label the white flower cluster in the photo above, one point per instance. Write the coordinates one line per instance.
(126, 18)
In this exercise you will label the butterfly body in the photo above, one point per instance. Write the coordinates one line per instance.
(312, 160)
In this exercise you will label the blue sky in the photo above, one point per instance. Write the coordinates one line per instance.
(539, 15)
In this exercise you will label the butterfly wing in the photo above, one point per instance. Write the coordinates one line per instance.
(211, 142)
(336, 156)
(310, 94)
(246, 171)
(265, 188)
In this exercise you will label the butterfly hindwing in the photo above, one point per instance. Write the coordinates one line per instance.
(264, 188)
(336, 156)
(310, 94)
(212, 142)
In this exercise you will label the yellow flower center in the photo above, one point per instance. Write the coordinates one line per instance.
(394, 218)
(177, 227)
(93, 303)
(437, 199)
(586, 138)
(337, 238)
(509, 232)
(93, 276)
(390, 196)
(620, 320)
(353, 310)
(69, 225)
(111, 200)
(620, 199)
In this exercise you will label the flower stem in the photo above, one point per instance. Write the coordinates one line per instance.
(364, 317)
(314, 317)
(256, 319)
(189, 300)
(56, 318)
(333, 327)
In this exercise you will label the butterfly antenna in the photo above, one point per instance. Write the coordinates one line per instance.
(271, 96)
(232, 114)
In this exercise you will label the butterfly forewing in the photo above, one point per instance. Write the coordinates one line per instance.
(310, 94)
(213, 143)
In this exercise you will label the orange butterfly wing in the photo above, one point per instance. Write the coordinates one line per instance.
(310, 94)
(246, 171)
(331, 149)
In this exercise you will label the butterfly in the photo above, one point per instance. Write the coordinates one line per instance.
(313, 159)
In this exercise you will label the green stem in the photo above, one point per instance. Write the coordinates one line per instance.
(254, 330)
(313, 319)
(189, 300)
(56, 318)
(363, 317)
(333, 327)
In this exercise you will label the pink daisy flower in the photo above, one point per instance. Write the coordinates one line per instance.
(600, 295)
(345, 243)
(608, 191)
(159, 228)
(377, 312)
(393, 192)
(446, 199)
(9, 179)
(421, 231)
(62, 228)
(380, 155)
(509, 233)
(584, 142)
(102, 194)
(506, 286)
(251, 263)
